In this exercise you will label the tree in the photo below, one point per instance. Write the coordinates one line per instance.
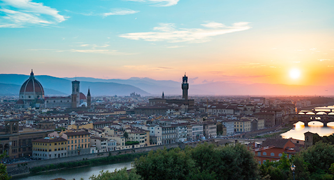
(301, 170)
(126, 135)
(319, 157)
(116, 175)
(163, 164)
(3, 168)
(206, 161)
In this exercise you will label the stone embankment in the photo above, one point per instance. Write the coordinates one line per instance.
(23, 168)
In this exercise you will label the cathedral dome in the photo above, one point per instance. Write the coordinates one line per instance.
(32, 88)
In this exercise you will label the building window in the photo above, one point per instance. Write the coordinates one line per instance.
(264, 153)
(259, 154)
(280, 154)
(272, 154)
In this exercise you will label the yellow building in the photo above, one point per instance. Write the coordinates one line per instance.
(78, 142)
(49, 148)
(243, 125)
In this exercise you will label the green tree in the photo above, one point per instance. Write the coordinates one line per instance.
(3, 168)
(116, 175)
(301, 171)
(319, 157)
(163, 164)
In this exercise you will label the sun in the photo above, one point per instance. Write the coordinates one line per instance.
(294, 73)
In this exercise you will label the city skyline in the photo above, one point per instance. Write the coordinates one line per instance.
(239, 41)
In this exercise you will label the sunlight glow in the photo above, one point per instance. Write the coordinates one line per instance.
(294, 73)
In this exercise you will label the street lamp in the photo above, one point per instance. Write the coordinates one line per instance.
(293, 167)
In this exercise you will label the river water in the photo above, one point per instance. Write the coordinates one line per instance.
(76, 173)
(314, 126)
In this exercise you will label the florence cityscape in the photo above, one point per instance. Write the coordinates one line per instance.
(166, 89)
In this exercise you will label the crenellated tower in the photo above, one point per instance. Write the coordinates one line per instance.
(185, 87)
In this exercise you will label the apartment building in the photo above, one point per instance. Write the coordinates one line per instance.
(78, 142)
(209, 129)
(49, 148)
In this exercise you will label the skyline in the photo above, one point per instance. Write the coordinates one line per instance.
(239, 41)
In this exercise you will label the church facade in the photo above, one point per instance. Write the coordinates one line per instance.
(32, 95)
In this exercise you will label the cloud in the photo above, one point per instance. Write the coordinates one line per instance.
(173, 47)
(213, 25)
(120, 12)
(84, 45)
(321, 60)
(98, 51)
(165, 68)
(161, 3)
(27, 12)
(167, 32)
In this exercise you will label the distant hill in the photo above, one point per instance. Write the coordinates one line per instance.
(64, 85)
(13, 90)
(155, 87)
(147, 86)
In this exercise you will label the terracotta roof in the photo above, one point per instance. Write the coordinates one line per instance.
(280, 143)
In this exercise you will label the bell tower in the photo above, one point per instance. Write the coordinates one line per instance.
(75, 93)
(185, 87)
(89, 99)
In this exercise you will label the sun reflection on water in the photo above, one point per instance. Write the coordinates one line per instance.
(314, 126)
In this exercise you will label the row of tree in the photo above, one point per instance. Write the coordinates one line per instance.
(208, 162)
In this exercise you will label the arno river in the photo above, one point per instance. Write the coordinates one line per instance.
(314, 126)
(76, 173)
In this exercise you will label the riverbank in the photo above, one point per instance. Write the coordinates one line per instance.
(86, 162)
(76, 173)
(82, 160)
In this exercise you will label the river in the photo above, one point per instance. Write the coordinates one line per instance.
(314, 126)
(76, 173)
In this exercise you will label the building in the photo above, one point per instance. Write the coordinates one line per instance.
(49, 148)
(229, 124)
(19, 143)
(243, 125)
(273, 149)
(78, 142)
(185, 87)
(308, 139)
(31, 93)
(168, 134)
(195, 131)
(209, 129)
(136, 134)
(101, 144)
(269, 118)
(155, 134)
(181, 132)
(185, 101)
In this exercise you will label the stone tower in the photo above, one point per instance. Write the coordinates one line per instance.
(163, 95)
(75, 94)
(185, 87)
(11, 126)
(89, 99)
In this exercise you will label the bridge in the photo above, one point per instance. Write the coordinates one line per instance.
(318, 115)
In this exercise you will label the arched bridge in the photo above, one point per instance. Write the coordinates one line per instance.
(322, 116)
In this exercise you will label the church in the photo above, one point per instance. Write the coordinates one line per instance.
(32, 95)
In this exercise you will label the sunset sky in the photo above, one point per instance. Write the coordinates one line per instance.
(247, 41)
